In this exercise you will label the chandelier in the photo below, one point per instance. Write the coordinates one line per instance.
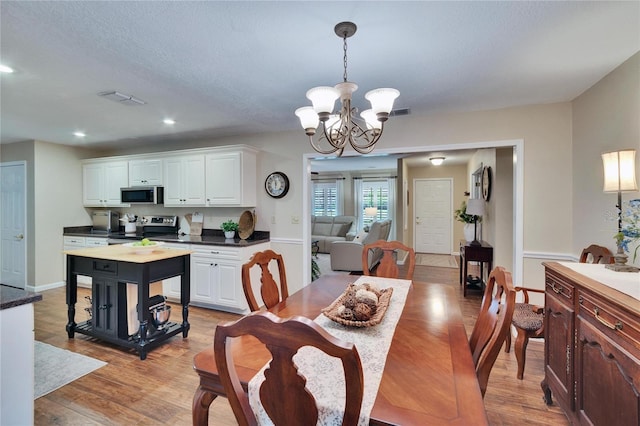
(362, 132)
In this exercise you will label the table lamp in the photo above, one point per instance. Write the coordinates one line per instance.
(475, 207)
(620, 176)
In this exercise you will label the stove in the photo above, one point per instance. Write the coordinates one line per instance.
(154, 225)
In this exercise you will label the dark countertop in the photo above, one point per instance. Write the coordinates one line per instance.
(10, 297)
(212, 237)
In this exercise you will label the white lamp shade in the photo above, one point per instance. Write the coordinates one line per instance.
(382, 99)
(370, 211)
(619, 171)
(323, 98)
(308, 117)
(475, 206)
(371, 119)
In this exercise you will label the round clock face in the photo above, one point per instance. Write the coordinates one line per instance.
(486, 183)
(277, 184)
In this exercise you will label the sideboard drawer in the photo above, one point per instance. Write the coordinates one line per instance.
(559, 288)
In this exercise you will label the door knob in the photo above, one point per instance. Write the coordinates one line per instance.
(20, 236)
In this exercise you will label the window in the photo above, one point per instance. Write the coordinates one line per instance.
(325, 199)
(375, 194)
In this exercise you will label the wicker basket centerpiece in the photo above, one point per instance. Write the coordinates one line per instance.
(361, 305)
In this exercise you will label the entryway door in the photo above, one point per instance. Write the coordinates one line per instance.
(433, 215)
(13, 188)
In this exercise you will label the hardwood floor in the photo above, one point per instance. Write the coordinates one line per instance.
(159, 390)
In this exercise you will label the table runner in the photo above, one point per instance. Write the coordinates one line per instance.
(324, 374)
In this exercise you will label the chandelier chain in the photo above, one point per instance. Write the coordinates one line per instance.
(344, 48)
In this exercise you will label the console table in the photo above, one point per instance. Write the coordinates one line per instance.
(111, 268)
(470, 253)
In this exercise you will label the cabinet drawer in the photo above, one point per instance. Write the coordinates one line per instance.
(74, 241)
(95, 242)
(105, 266)
(219, 252)
(610, 320)
(559, 288)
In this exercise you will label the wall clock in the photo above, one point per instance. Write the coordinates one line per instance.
(277, 184)
(486, 183)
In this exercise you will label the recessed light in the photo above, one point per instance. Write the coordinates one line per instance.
(79, 134)
(6, 69)
(169, 121)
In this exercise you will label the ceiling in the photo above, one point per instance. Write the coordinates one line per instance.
(232, 68)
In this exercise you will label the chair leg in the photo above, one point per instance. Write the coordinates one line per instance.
(520, 348)
(507, 341)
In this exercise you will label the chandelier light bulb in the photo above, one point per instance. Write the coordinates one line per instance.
(323, 99)
(371, 119)
(308, 119)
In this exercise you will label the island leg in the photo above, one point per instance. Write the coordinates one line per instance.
(72, 297)
(185, 295)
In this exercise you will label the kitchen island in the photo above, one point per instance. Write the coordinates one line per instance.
(111, 269)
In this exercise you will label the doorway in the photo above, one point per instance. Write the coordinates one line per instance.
(432, 214)
(13, 251)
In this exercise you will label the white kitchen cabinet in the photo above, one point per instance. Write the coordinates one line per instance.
(75, 243)
(145, 172)
(231, 178)
(184, 181)
(101, 183)
(172, 287)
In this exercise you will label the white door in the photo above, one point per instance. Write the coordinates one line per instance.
(13, 251)
(433, 215)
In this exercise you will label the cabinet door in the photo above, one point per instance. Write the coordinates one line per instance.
(607, 367)
(116, 176)
(92, 184)
(145, 172)
(224, 180)
(193, 183)
(105, 306)
(228, 288)
(173, 182)
(559, 323)
(202, 277)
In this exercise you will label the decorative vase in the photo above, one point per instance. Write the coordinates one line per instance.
(469, 232)
(229, 234)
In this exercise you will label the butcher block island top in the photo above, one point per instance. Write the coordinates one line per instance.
(123, 253)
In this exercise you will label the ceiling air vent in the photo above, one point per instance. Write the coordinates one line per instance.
(121, 98)
(400, 111)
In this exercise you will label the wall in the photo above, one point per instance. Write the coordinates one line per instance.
(605, 118)
(54, 200)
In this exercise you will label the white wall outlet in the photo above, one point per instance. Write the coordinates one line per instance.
(273, 220)
(295, 220)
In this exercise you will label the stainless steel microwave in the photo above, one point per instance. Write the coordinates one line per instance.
(142, 195)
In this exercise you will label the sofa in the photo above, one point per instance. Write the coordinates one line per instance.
(347, 255)
(327, 229)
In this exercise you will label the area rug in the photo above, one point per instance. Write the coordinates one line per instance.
(438, 260)
(55, 367)
(324, 262)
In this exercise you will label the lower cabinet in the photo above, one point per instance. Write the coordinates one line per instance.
(216, 277)
(105, 306)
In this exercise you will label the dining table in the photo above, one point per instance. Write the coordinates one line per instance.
(429, 376)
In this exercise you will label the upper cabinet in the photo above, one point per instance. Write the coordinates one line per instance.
(231, 178)
(184, 180)
(102, 182)
(145, 172)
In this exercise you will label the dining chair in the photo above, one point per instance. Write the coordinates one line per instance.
(283, 394)
(269, 291)
(492, 325)
(528, 319)
(388, 266)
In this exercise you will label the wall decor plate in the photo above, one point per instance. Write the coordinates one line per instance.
(246, 224)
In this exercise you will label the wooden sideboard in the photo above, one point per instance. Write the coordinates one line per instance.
(592, 343)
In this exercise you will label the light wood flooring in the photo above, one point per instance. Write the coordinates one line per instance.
(159, 390)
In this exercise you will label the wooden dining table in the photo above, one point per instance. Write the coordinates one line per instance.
(429, 376)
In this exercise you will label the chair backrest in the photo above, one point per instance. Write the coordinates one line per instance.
(493, 323)
(268, 288)
(388, 266)
(283, 394)
(599, 254)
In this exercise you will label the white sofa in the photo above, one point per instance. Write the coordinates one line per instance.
(327, 229)
(347, 255)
